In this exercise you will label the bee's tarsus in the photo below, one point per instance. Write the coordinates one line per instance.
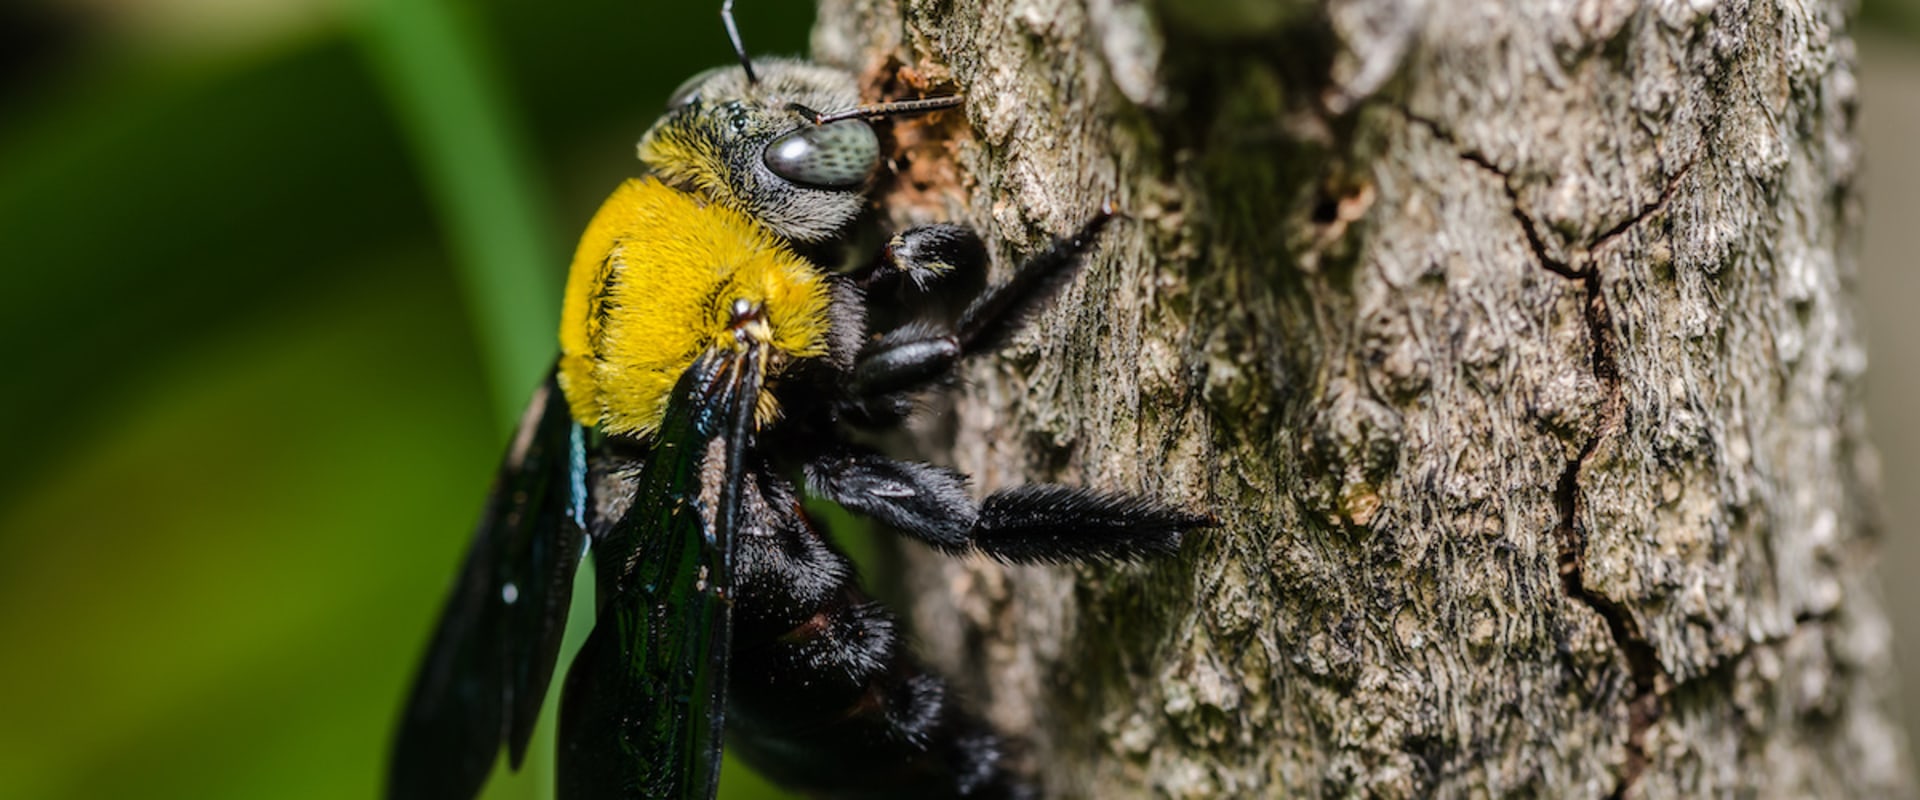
(1091, 229)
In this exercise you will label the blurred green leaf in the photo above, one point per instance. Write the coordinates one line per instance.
(434, 69)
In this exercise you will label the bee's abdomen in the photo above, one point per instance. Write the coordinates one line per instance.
(824, 696)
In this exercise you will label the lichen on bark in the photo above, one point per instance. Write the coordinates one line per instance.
(1510, 341)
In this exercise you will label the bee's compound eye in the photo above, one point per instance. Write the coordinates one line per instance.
(837, 155)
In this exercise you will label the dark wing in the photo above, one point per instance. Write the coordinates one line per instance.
(493, 653)
(641, 714)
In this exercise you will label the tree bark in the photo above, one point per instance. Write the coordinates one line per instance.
(1510, 342)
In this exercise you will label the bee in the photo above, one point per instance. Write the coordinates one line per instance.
(710, 375)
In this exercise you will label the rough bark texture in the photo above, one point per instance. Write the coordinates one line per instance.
(1511, 341)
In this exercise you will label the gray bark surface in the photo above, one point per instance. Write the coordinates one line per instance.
(1511, 344)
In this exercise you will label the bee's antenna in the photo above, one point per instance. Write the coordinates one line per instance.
(897, 108)
(733, 33)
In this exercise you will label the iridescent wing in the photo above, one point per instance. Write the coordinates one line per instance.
(642, 711)
(493, 652)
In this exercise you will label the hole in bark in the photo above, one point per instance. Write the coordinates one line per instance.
(919, 150)
(1326, 210)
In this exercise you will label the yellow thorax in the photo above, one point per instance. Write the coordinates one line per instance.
(653, 286)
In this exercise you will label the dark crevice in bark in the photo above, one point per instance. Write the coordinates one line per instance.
(1645, 706)
(1475, 157)
(1666, 194)
(1650, 678)
(1534, 242)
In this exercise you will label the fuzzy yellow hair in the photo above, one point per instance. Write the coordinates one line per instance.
(653, 286)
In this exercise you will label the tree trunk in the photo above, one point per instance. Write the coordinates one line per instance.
(1511, 343)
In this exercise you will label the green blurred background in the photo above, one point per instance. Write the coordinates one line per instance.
(278, 276)
(269, 312)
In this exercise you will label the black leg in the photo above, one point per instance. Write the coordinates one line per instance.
(1054, 524)
(1000, 310)
(825, 696)
(929, 253)
(905, 358)
(1028, 524)
(914, 355)
(929, 503)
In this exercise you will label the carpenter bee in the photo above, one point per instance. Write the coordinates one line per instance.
(709, 376)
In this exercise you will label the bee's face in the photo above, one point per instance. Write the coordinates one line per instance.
(755, 147)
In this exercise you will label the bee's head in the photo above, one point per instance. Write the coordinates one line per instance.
(787, 144)
(754, 146)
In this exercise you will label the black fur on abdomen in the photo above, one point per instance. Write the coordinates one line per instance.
(824, 696)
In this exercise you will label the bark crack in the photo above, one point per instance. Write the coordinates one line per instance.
(1666, 194)
(1651, 679)
(1475, 157)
